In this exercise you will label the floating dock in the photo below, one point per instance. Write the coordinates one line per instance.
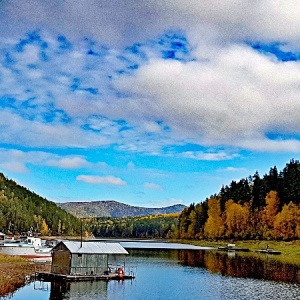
(268, 251)
(45, 276)
(42, 271)
(233, 249)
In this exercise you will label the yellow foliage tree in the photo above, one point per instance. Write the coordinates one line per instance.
(237, 217)
(286, 224)
(214, 227)
(44, 228)
(192, 227)
(41, 225)
(269, 213)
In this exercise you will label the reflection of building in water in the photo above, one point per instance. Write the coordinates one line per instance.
(41, 285)
(78, 290)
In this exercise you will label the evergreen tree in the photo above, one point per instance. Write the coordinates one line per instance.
(290, 183)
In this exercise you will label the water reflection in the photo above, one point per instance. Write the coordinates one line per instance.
(241, 265)
(173, 274)
(78, 290)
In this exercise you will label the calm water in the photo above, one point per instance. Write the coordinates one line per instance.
(183, 274)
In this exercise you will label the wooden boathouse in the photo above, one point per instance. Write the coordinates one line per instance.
(74, 260)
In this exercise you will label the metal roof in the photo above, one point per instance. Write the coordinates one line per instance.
(94, 247)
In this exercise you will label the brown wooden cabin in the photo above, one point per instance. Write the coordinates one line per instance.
(86, 258)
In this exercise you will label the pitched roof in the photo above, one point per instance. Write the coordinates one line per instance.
(94, 247)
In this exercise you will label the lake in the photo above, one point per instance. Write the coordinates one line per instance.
(183, 274)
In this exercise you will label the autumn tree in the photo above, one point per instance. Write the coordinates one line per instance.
(268, 214)
(191, 232)
(287, 222)
(237, 217)
(214, 227)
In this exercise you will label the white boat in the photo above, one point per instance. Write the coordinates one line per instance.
(31, 247)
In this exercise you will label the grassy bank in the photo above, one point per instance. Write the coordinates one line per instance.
(290, 251)
(13, 270)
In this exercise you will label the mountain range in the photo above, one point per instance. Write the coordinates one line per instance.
(110, 208)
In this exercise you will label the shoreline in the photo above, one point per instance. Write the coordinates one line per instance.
(14, 269)
(290, 251)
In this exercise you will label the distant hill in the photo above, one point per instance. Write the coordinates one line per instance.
(114, 209)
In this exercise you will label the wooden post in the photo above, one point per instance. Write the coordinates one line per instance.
(81, 235)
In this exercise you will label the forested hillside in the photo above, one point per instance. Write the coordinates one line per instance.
(266, 207)
(21, 209)
(115, 209)
(157, 226)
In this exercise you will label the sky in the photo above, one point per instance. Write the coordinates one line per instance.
(150, 103)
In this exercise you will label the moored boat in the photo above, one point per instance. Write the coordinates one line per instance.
(31, 247)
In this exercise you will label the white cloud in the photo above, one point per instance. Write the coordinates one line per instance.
(222, 155)
(233, 99)
(229, 96)
(116, 22)
(18, 161)
(14, 166)
(152, 186)
(69, 163)
(39, 134)
(111, 180)
(233, 169)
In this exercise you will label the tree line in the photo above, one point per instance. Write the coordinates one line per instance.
(22, 210)
(266, 207)
(154, 226)
(257, 207)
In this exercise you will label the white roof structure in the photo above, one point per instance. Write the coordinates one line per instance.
(94, 247)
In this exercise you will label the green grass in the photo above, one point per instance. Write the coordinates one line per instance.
(290, 251)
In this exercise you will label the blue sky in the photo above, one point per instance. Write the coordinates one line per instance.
(147, 103)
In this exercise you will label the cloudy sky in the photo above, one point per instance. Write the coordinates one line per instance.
(150, 103)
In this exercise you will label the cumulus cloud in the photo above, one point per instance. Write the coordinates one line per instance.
(68, 89)
(14, 166)
(69, 163)
(230, 99)
(110, 180)
(119, 22)
(18, 161)
(221, 155)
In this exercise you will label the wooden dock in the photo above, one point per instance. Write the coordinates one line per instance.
(233, 249)
(42, 271)
(47, 276)
(268, 251)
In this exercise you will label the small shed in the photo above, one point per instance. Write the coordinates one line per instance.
(86, 258)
